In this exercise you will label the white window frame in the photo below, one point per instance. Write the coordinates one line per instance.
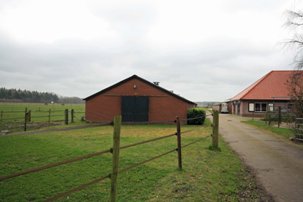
(251, 107)
(271, 107)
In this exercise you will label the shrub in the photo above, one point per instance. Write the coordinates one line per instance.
(195, 116)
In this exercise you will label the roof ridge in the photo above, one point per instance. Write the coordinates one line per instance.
(163, 89)
(143, 80)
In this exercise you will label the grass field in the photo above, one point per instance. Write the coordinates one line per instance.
(206, 176)
(12, 114)
(284, 132)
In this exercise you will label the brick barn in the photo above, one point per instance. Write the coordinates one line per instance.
(137, 100)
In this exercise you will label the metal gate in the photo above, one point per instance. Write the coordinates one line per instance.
(135, 108)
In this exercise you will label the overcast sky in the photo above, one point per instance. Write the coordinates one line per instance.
(202, 50)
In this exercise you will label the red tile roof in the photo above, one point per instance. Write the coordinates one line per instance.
(272, 86)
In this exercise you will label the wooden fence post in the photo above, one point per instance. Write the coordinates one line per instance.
(1, 116)
(72, 116)
(115, 151)
(215, 135)
(66, 117)
(25, 119)
(29, 116)
(279, 117)
(179, 143)
(49, 116)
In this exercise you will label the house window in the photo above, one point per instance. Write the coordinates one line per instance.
(290, 107)
(260, 107)
(271, 107)
(251, 107)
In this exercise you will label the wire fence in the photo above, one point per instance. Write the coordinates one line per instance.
(278, 115)
(115, 150)
(298, 129)
(11, 121)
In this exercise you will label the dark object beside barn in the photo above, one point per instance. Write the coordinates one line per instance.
(195, 116)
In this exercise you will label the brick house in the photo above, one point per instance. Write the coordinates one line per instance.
(137, 100)
(266, 94)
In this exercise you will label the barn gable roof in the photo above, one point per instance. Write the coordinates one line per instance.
(144, 81)
(272, 86)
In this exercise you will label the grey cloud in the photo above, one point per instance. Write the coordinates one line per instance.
(248, 5)
(130, 20)
(215, 69)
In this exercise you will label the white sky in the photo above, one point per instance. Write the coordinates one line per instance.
(203, 50)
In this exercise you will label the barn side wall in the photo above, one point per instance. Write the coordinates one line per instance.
(162, 106)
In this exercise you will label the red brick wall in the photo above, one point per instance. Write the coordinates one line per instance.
(162, 106)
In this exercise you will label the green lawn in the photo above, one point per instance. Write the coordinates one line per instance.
(206, 176)
(284, 132)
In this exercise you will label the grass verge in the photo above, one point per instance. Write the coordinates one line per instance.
(283, 132)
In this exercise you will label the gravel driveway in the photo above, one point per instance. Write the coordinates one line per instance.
(277, 162)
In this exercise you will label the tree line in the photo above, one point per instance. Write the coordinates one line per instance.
(18, 95)
(27, 96)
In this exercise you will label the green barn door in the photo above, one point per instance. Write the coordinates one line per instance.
(135, 108)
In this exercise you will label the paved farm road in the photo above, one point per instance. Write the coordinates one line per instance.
(278, 163)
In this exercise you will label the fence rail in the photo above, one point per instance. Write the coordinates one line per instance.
(115, 150)
(76, 189)
(146, 161)
(147, 141)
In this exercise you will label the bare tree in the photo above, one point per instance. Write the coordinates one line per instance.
(295, 82)
(295, 22)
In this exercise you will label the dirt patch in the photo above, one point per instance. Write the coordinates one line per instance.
(253, 190)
